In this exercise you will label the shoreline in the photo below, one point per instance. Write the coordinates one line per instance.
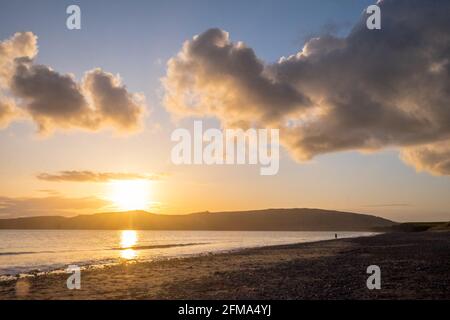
(413, 266)
(115, 261)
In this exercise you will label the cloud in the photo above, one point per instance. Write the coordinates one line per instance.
(19, 45)
(7, 112)
(23, 44)
(51, 205)
(212, 75)
(370, 90)
(433, 158)
(57, 101)
(52, 100)
(90, 176)
(387, 205)
(49, 192)
(112, 100)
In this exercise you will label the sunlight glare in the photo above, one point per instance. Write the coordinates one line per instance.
(130, 194)
(128, 239)
(128, 254)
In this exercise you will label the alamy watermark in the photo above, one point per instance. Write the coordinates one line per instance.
(374, 280)
(73, 21)
(74, 280)
(227, 147)
(373, 22)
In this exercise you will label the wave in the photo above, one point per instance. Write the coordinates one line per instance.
(159, 246)
(15, 253)
(36, 252)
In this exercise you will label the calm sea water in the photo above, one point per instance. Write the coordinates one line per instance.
(25, 251)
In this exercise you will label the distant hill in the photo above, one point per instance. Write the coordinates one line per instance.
(258, 220)
(421, 226)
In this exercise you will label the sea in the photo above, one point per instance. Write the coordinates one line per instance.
(26, 252)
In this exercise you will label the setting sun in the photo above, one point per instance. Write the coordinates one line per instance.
(130, 194)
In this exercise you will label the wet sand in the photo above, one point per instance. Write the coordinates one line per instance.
(413, 266)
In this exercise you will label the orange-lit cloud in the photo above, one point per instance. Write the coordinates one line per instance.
(54, 205)
(434, 157)
(23, 44)
(370, 90)
(213, 76)
(8, 112)
(90, 176)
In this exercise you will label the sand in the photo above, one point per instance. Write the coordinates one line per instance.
(413, 266)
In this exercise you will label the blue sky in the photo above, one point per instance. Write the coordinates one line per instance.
(136, 38)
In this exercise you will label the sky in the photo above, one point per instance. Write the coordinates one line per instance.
(61, 157)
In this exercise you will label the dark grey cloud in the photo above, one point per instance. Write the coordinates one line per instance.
(57, 101)
(91, 176)
(379, 88)
(112, 101)
(213, 75)
(52, 99)
(369, 90)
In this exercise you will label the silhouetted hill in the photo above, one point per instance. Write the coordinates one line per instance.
(258, 220)
(421, 226)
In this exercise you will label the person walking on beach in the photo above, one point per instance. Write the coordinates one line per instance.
(335, 235)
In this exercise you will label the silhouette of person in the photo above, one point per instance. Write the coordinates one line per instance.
(335, 235)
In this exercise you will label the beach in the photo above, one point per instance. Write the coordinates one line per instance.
(413, 266)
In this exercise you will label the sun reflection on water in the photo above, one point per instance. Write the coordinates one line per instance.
(128, 254)
(128, 240)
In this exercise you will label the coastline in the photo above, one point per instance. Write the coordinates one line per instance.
(413, 266)
(105, 256)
